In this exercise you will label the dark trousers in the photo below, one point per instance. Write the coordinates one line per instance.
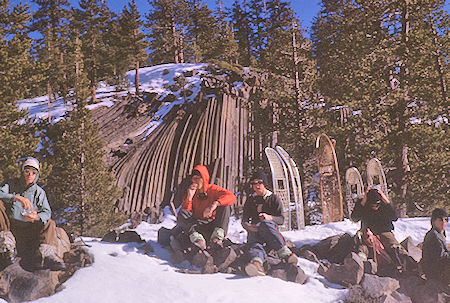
(187, 223)
(30, 235)
(267, 234)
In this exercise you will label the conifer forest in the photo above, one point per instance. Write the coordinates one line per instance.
(372, 74)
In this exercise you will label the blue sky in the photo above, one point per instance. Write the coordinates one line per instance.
(306, 9)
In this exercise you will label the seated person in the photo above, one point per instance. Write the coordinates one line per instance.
(435, 254)
(26, 212)
(376, 213)
(205, 210)
(263, 212)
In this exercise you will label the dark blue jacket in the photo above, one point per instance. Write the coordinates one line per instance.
(378, 221)
(435, 255)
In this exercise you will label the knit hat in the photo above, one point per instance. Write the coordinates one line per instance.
(30, 161)
(373, 196)
(260, 175)
(438, 213)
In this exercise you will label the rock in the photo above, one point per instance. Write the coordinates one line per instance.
(350, 273)
(122, 237)
(18, 285)
(370, 267)
(356, 295)
(7, 249)
(309, 255)
(395, 297)
(147, 248)
(423, 291)
(295, 274)
(62, 244)
(334, 248)
(413, 251)
(375, 286)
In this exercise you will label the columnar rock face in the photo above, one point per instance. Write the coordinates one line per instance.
(212, 130)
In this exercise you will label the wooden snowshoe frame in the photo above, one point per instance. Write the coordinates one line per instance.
(296, 186)
(330, 183)
(280, 183)
(375, 175)
(354, 188)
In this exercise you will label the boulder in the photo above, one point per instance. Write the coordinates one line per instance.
(395, 297)
(122, 237)
(62, 244)
(424, 291)
(370, 267)
(413, 251)
(375, 286)
(19, 285)
(289, 272)
(334, 248)
(350, 273)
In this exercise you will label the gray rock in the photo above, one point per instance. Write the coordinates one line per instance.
(413, 251)
(424, 291)
(334, 248)
(375, 286)
(350, 273)
(370, 267)
(395, 297)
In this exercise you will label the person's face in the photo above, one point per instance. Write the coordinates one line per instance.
(259, 187)
(440, 223)
(196, 179)
(29, 174)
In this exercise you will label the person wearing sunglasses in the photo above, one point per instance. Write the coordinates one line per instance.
(262, 214)
(435, 254)
(376, 214)
(25, 211)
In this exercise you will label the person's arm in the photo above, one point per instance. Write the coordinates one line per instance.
(4, 193)
(187, 200)
(222, 195)
(390, 211)
(277, 210)
(357, 213)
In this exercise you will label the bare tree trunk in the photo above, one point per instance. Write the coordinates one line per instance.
(176, 57)
(402, 153)
(83, 182)
(439, 67)
(295, 59)
(136, 78)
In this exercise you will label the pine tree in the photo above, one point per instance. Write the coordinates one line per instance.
(166, 22)
(242, 32)
(225, 46)
(17, 71)
(51, 21)
(80, 182)
(132, 40)
(379, 58)
(91, 21)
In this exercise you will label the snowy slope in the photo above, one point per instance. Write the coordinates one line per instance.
(123, 273)
(155, 79)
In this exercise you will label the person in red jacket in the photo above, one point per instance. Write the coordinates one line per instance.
(205, 210)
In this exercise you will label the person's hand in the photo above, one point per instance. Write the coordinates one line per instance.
(252, 227)
(191, 191)
(208, 212)
(31, 216)
(264, 216)
(384, 198)
(364, 200)
(25, 202)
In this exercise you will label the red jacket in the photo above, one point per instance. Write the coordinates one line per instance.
(213, 192)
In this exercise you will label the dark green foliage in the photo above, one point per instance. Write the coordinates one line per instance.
(242, 31)
(380, 58)
(16, 81)
(82, 190)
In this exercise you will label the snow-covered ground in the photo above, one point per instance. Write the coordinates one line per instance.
(124, 273)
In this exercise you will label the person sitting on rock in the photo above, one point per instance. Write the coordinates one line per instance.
(263, 213)
(376, 214)
(203, 219)
(25, 211)
(435, 254)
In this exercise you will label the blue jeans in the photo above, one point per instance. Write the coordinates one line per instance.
(267, 234)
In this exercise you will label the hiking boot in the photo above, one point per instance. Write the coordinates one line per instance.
(224, 257)
(53, 264)
(254, 269)
(200, 244)
(198, 240)
(203, 260)
(178, 257)
(291, 259)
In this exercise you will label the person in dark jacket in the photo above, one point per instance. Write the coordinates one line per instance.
(26, 212)
(263, 213)
(376, 213)
(435, 254)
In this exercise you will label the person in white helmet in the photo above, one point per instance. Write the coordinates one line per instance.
(26, 212)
